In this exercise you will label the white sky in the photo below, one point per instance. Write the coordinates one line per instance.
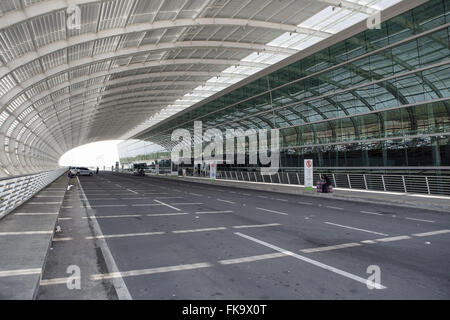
(102, 153)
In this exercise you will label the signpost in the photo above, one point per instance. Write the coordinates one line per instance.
(308, 174)
(212, 171)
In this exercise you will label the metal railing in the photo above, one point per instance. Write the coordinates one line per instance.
(438, 185)
(17, 190)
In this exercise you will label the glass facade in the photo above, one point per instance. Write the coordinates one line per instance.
(380, 98)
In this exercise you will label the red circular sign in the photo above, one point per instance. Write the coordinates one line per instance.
(308, 163)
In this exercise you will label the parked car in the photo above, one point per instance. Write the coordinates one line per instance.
(84, 172)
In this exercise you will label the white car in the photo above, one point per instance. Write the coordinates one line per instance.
(84, 172)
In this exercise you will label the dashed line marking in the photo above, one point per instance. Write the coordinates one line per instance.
(253, 258)
(337, 208)
(374, 213)
(257, 225)
(124, 235)
(431, 233)
(227, 201)
(202, 212)
(166, 214)
(20, 272)
(19, 233)
(390, 239)
(35, 213)
(273, 211)
(358, 229)
(421, 220)
(328, 248)
(200, 230)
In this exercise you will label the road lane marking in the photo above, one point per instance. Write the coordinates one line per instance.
(114, 216)
(431, 233)
(167, 205)
(106, 205)
(64, 218)
(397, 238)
(368, 241)
(186, 203)
(55, 281)
(195, 194)
(146, 204)
(20, 272)
(263, 197)
(284, 200)
(200, 230)
(313, 262)
(374, 213)
(331, 207)
(201, 212)
(35, 213)
(124, 235)
(273, 211)
(66, 207)
(133, 191)
(422, 220)
(227, 201)
(20, 233)
(257, 225)
(307, 203)
(62, 239)
(253, 258)
(328, 248)
(353, 228)
(166, 214)
(150, 271)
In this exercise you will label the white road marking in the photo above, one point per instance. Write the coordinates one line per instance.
(118, 283)
(133, 191)
(97, 199)
(201, 212)
(253, 258)
(47, 196)
(227, 201)
(422, 220)
(124, 235)
(307, 203)
(284, 200)
(393, 239)
(19, 272)
(64, 218)
(199, 230)
(150, 271)
(185, 203)
(328, 248)
(19, 233)
(273, 211)
(353, 228)
(166, 214)
(374, 213)
(313, 262)
(118, 185)
(66, 207)
(115, 216)
(337, 208)
(167, 205)
(368, 241)
(62, 239)
(35, 213)
(195, 194)
(107, 206)
(146, 204)
(257, 225)
(431, 233)
(55, 281)
(264, 197)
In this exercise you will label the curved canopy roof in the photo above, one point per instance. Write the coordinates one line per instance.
(79, 71)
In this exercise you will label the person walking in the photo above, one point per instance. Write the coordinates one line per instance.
(96, 171)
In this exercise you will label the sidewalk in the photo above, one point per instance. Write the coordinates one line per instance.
(423, 201)
(25, 238)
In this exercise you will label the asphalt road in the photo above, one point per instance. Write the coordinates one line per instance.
(172, 239)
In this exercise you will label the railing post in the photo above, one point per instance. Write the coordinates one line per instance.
(248, 176)
(428, 185)
(404, 183)
(298, 178)
(365, 181)
(254, 174)
(242, 175)
(334, 179)
(349, 182)
(289, 180)
(270, 176)
(384, 185)
(279, 179)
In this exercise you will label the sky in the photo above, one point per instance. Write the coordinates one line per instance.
(96, 154)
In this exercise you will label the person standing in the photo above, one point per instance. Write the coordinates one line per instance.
(327, 183)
